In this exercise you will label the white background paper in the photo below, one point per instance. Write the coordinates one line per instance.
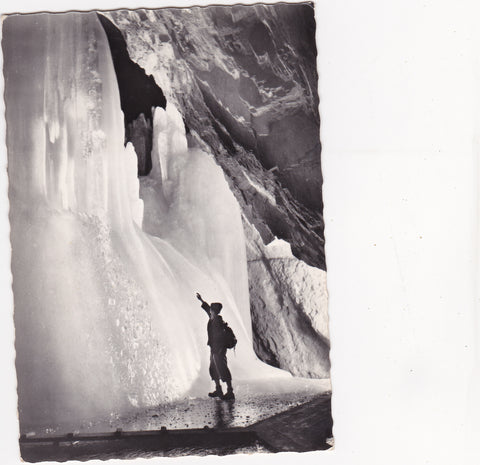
(399, 93)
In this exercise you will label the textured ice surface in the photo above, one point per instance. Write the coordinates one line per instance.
(106, 316)
(190, 205)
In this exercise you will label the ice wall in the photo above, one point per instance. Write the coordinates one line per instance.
(105, 314)
(190, 205)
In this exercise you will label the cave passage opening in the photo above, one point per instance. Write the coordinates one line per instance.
(139, 93)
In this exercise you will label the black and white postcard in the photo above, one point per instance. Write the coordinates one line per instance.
(167, 232)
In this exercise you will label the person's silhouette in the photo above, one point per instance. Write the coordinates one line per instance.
(218, 350)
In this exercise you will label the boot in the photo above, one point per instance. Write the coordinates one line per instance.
(229, 395)
(217, 393)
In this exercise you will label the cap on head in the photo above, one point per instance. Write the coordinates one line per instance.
(216, 307)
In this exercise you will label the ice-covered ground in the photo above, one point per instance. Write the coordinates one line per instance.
(255, 401)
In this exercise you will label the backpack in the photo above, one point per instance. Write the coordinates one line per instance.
(229, 337)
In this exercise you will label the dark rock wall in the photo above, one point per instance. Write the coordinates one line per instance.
(260, 110)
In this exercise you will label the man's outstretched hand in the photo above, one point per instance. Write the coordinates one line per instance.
(199, 297)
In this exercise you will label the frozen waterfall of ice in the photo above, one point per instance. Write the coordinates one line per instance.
(105, 313)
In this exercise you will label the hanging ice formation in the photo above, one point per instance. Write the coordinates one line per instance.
(106, 316)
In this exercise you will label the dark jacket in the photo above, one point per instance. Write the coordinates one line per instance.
(215, 329)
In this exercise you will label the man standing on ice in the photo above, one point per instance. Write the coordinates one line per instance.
(218, 350)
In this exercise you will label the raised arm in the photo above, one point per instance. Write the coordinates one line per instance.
(205, 306)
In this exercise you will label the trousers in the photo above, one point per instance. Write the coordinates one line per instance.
(218, 364)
